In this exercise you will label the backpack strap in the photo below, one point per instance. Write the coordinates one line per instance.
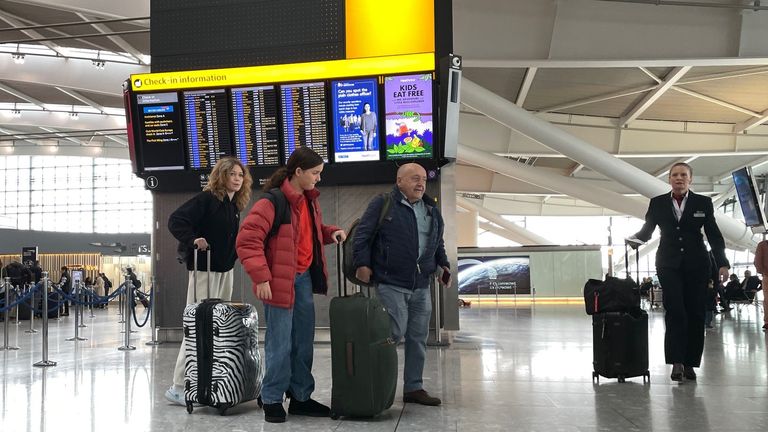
(282, 210)
(384, 211)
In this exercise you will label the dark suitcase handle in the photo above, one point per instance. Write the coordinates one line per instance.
(637, 262)
(208, 272)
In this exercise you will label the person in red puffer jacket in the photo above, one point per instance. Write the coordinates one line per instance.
(286, 269)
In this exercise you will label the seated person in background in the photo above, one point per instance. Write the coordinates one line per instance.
(646, 286)
(750, 285)
(733, 290)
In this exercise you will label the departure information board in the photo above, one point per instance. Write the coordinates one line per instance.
(254, 117)
(207, 127)
(160, 123)
(304, 118)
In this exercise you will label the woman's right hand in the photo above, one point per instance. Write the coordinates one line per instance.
(201, 244)
(263, 291)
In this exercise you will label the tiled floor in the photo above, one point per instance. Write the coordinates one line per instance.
(526, 369)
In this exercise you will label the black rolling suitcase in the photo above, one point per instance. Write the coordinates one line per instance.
(620, 337)
(363, 355)
(620, 345)
(223, 365)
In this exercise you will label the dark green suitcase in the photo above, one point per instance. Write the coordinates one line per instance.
(363, 355)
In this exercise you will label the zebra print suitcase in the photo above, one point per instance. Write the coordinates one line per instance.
(223, 366)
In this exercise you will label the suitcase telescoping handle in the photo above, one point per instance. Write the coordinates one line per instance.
(208, 271)
(339, 273)
(637, 261)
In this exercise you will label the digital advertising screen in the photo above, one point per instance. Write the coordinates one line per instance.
(254, 118)
(304, 119)
(207, 127)
(408, 116)
(494, 274)
(746, 190)
(160, 131)
(356, 125)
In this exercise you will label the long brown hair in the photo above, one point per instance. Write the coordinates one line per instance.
(217, 181)
(303, 157)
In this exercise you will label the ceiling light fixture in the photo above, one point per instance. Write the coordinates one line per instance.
(18, 57)
(98, 63)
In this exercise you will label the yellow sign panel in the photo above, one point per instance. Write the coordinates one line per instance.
(380, 28)
(283, 73)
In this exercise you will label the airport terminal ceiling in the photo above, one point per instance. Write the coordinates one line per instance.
(650, 84)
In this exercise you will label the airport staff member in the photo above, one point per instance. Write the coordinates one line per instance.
(682, 263)
(405, 252)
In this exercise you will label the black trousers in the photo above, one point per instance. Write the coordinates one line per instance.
(685, 294)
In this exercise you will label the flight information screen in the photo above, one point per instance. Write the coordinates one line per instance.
(304, 118)
(160, 123)
(254, 117)
(207, 127)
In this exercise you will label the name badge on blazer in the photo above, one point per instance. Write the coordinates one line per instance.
(699, 214)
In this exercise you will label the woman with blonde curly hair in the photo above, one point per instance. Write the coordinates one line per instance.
(210, 220)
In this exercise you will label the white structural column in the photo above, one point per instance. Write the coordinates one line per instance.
(501, 232)
(514, 117)
(466, 228)
(556, 183)
(521, 235)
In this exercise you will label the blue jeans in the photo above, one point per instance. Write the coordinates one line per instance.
(409, 313)
(290, 341)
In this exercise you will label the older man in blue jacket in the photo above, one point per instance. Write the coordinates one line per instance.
(400, 256)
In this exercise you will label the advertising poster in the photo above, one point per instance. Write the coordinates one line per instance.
(489, 275)
(355, 117)
(408, 106)
(28, 255)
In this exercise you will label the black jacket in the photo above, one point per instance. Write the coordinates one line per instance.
(394, 255)
(682, 243)
(217, 221)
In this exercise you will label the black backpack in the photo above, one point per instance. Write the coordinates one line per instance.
(349, 269)
(107, 282)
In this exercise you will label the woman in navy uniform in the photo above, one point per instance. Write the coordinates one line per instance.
(683, 266)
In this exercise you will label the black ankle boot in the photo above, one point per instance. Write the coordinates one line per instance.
(274, 413)
(309, 407)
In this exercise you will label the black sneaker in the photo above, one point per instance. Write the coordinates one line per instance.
(274, 413)
(421, 397)
(309, 407)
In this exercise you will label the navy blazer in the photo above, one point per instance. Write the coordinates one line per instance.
(682, 243)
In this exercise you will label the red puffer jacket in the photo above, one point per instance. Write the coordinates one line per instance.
(276, 263)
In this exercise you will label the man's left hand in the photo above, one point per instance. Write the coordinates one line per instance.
(339, 236)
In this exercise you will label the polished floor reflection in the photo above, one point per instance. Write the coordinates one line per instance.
(526, 368)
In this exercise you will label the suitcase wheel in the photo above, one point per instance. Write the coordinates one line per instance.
(189, 407)
(259, 402)
(647, 375)
(223, 411)
(334, 415)
(621, 378)
(595, 377)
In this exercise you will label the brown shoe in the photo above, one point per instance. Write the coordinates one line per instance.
(421, 397)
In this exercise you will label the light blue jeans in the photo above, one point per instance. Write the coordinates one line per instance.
(288, 346)
(409, 312)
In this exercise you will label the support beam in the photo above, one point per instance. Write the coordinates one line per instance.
(501, 232)
(669, 80)
(561, 184)
(75, 95)
(664, 171)
(494, 106)
(99, 8)
(716, 101)
(601, 64)
(651, 75)
(749, 124)
(12, 91)
(117, 40)
(599, 98)
(576, 168)
(527, 237)
(526, 86)
(15, 22)
(726, 75)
